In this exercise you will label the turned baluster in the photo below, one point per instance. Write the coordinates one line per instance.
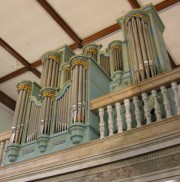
(119, 117)
(146, 108)
(176, 96)
(167, 105)
(137, 111)
(101, 123)
(156, 105)
(110, 120)
(4, 152)
(2, 143)
(128, 114)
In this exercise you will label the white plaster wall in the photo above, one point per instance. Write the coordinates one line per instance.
(6, 118)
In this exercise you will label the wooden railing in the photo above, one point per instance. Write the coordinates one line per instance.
(148, 101)
(4, 140)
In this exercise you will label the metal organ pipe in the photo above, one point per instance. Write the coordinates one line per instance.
(138, 50)
(140, 47)
(134, 55)
(78, 92)
(24, 90)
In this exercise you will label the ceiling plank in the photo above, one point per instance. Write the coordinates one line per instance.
(13, 53)
(59, 20)
(134, 4)
(101, 33)
(13, 74)
(7, 101)
(22, 60)
(164, 4)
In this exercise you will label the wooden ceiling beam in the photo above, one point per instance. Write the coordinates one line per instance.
(36, 72)
(22, 60)
(60, 21)
(36, 64)
(164, 4)
(134, 4)
(13, 74)
(101, 34)
(7, 101)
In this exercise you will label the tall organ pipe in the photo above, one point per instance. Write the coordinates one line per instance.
(24, 90)
(140, 47)
(78, 90)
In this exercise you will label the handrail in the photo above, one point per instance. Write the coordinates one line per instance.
(136, 89)
(5, 136)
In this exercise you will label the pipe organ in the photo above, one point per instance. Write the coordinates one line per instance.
(57, 114)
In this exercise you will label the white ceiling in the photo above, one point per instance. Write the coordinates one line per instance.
(30, 30)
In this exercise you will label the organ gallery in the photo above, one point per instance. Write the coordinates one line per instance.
(56, 114)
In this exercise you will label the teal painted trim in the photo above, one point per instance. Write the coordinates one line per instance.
(90, 59)
(114, 42)
(48, 89)
(65, 47)
(28, 82)
(80, 56)
(44, 56)
(150, 7)
(62, 91)
(122, 20)
(92, 45)
(35, 100)
(26, 122)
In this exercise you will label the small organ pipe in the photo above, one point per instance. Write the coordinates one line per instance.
(49, 73)
(142, 45)
(43, 75)
(53, 74)
(23, 117)
(132, 62)
(14, 124)
(134, 52)
(80, 93)
(84, 94)
(20, 115)
(137, 43)
(56, 75)
(47, 115)
(46, 73)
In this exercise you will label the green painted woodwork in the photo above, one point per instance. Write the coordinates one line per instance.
(98, 83)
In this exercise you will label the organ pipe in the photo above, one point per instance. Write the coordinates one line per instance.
(78, 91)
(24, 90)
(140, 48)
(51, 62)
(62, 112)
